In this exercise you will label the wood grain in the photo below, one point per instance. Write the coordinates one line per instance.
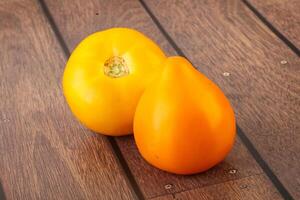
(44, 152)
(225, 36)
(77, 19)
(284, 15)
(250, 188)
(93, 16)
(154, 182)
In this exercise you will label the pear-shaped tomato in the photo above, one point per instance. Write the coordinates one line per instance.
(183, 123)
(106, 75)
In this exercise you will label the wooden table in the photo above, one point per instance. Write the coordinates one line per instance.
(250, 48)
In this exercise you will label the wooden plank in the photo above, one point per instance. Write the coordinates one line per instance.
(250, 188)
(283, 14)
(98, 15)
(44, 152)
(154, 182)
(226, 36)
(76, 19)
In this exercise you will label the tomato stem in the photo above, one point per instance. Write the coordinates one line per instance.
(116, 67)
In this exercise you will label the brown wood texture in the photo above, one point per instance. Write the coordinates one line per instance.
(76, 19)
(250, 188)
(154, 182)
(225, 36)
(283, 14)
(44, 152)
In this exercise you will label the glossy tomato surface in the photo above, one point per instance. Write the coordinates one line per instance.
(184, 124)
(106, 75)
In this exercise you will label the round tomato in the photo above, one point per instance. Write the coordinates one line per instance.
(106, 75)
(183, 122)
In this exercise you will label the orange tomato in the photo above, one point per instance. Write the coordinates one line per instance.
(183, 123)
(106, 75)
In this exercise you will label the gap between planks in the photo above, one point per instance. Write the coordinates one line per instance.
(2, 194)
(284, 39)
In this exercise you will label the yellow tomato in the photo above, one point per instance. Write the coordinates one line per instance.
(106, 75)
(183, 123)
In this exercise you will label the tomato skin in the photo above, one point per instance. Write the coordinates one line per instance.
(183, 124)
(106, 75)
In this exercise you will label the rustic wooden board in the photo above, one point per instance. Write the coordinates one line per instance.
(250, 188)
(77, 19)
(44, 152)
(154, 182)
(226, 36)
(283, 14)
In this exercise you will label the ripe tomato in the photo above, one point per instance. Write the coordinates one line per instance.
(183, 123)
(106, 75)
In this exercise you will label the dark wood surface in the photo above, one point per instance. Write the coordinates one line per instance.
(284, 15)
(249, 188)
(46, 154)
(225, 36)
(154, 182)
(151, 181)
